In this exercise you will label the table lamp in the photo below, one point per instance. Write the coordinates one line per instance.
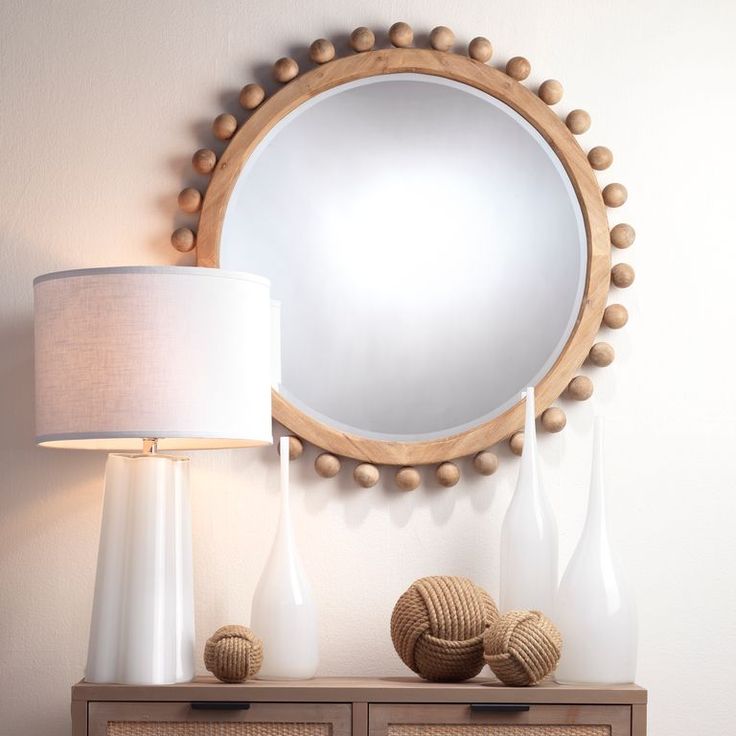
(143, 360)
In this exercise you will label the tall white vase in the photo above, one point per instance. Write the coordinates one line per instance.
(529, 533)
(284, 615)
(595, 609)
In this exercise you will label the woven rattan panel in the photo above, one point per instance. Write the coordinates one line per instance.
(216, 728)
(492, 730)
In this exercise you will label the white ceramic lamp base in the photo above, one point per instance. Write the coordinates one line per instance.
(142, 629)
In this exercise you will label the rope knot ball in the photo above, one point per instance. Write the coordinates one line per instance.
(522, 647)
(233, 654)
(437, 627)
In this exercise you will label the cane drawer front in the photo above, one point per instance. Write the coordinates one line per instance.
(218, 719)
(494, 719)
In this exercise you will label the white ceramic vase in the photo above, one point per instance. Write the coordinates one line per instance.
(595, 609)
(529, 533)
(284, 615)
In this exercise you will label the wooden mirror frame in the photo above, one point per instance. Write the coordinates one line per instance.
(366, 61)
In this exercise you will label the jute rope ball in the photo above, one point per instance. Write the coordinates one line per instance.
(516, 443)
(233, 654)
(600, 158)
(327, 465)
(183, 239)
(366, 475)
(441, 38)
(622, 275)
(251, 96)
(447, 474)
(614, 195)
(285, 69)
(622, 235)
(480, 49)
(485, 462)
(580, 388)
(408, 478)
(601, 354)
(578, 122)
(518, 68)
(401, 35)
(522, 648)
(204, 161)
(190, 200)
(554, 419)
(437, 627)
(550, 92)
(615, 316)
(362, 39)
(224, 126)
(321, 51)
(296, 447)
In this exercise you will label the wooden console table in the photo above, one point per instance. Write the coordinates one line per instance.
(357, 707)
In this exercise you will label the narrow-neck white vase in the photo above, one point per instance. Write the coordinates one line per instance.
(529, 533)
(595, 609)
(284, 615)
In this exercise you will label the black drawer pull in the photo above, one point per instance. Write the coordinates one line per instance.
(219, 705)
(498, 708)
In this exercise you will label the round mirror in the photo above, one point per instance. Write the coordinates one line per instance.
(428, 249)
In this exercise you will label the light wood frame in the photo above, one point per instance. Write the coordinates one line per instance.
(505, 85)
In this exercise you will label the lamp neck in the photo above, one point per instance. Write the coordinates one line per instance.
(150, 446)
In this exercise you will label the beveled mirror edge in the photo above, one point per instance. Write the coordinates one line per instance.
(506, 86)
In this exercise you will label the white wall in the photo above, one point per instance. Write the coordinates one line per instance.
(101, 106)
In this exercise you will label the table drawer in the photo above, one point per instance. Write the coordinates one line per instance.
(499, 719)
(213, 718)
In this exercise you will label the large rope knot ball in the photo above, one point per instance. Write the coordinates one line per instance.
(437, 627)
(522, 647)
(233, 654)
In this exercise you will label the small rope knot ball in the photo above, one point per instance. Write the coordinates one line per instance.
(522, 647)
(437, 627)
(233, 654)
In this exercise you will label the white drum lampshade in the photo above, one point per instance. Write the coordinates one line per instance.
(144, 359)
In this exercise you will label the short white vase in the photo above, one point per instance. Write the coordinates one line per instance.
(529, 533)
(595, 609)
(284, 615)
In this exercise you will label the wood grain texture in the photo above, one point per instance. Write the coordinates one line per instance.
(480, 49)
(550, 92)
(401, 35)
(497, 84)
(518, 68)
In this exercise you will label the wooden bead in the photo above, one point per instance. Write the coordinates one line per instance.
(518, 68)
(362, 39)
(516, 443)
(600, 158)
(580, 388)
(408, 478)
(224, 126)
(622, 235)
(622, 275)
(601, 354)
(441, 38)
(285, 69)
(447, 474)
(327, 465)
(550, 92)
(485, 462)
(183, 239)
(296, 448)
(321, 51)
(204, 161)
(578, 121)
(190, 200)
(251, 96)
(366, 475)
(615, 316)
(554, 419)
(480, 49)
(401, 35)
(614, 195)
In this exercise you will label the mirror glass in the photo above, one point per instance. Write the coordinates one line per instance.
(427, 247)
